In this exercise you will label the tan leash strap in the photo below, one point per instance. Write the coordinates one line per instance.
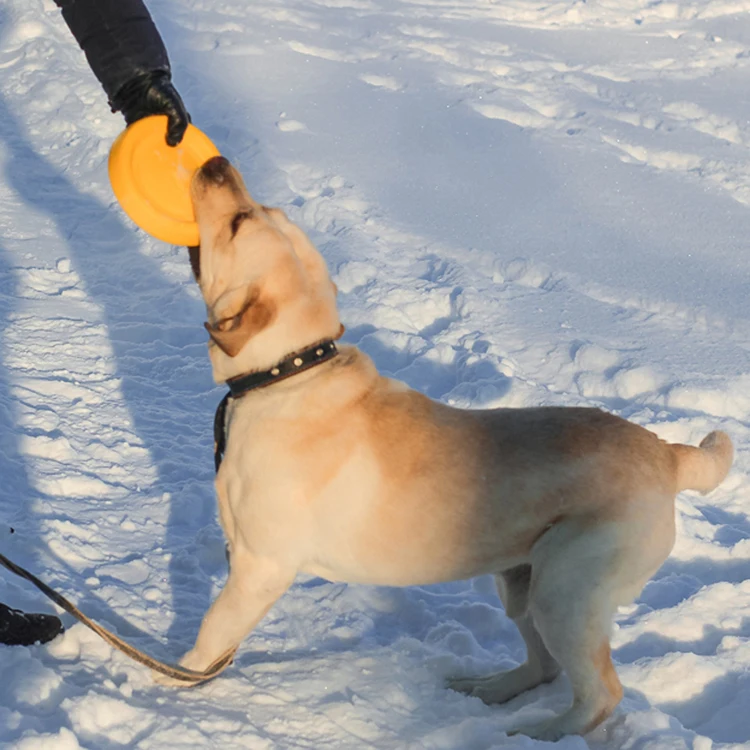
(188, 676)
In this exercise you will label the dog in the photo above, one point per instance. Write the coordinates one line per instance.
(339, 472)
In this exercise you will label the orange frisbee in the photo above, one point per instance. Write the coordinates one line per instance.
(151, 180)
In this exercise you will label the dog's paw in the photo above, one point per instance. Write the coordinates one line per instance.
(493, 688)
(464, 685)
(167, 681)
(579, 719)
(546, 731)
(486, 689)
(500, 686)
(189, 661)
(549, 730)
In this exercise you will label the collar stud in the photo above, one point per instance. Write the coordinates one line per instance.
(290, 365)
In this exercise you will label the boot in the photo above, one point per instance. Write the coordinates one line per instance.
(21, 629)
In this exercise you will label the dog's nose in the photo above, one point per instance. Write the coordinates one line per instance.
(215, 170)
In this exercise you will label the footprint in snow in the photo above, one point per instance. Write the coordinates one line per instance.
(286, 125)
(382, 82)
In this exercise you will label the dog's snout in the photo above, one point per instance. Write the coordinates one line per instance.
(216, 170)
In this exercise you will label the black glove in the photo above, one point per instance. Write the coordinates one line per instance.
(153, 94)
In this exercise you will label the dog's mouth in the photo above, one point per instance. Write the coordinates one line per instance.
(216, 174)
(216, 171)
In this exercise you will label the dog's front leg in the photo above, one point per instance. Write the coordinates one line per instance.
(254, 584)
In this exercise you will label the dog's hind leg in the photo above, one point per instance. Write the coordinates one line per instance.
(540, 666)
(582, 571)
(577, 584)
(253, 586)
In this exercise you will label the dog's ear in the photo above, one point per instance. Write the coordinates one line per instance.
(231, 334)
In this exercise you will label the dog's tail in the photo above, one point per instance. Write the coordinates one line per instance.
(704, 468)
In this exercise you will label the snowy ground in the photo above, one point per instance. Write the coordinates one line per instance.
(522, 202)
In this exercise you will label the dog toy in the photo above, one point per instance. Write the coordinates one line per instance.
(151, 180)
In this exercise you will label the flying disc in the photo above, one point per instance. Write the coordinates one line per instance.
(151, 180)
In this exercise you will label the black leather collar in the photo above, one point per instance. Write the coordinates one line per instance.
(239, 386)
(291, 365)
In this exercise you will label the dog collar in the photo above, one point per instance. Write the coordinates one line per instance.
(290, 365)
(242, 384)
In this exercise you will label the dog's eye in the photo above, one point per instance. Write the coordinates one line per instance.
(228, 324)
(238, 218)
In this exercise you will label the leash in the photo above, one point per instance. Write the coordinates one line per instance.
(220, 433)
(188, 676)
(291, 365)
(175, 671)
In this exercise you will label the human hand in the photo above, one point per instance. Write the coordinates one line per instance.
(153, 94)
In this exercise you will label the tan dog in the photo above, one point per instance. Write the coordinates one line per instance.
(341, 473)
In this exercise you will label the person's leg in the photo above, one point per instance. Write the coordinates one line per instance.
(24, 629)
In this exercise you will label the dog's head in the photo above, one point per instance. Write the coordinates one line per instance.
(266, 287)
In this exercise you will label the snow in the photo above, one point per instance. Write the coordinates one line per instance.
(522, 203)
